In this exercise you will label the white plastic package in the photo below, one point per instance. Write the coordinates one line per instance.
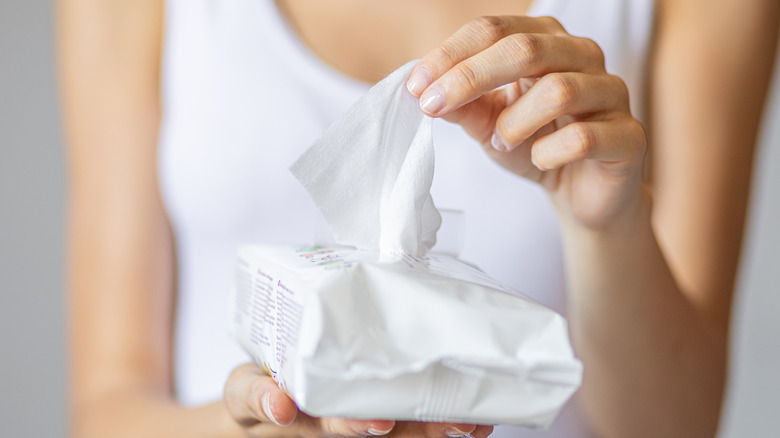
(357, 334)
(376, 327)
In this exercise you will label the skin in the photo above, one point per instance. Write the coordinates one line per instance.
(651, 261)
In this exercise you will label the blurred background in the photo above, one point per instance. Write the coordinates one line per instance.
(32, 179)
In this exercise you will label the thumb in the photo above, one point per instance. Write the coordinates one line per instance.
(251, 396)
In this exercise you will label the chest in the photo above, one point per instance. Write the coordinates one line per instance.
(367, 40)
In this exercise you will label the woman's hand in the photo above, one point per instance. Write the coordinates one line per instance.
(260, 407)
(558, 119)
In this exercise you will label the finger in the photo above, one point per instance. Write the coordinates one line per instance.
(432, 430)
(613, 141)
(556, 95)
(520, 55)
(252, 396)
(478, 118)
(474, 37)
(356, 428)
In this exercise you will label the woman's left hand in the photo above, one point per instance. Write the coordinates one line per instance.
(558, 117)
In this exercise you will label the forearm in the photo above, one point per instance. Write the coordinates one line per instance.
(142, 414)
(121, 255)
(655, 366)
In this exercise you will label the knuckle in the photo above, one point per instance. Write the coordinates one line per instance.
(551, 23)
(344, 427)
(468, 76)
(620, 87)
(618, 83)
(231, 403)
(637, 130)
(334, 427)
(582, 140)
(236, 404)
(230, 389)
(489, 28)
(562, 90)
(445, 54)
(527, 47)
(593, 50)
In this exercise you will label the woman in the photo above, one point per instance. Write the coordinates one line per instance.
(650, 231)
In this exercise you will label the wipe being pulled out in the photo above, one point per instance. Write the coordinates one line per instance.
(370, 173)
(377, 327)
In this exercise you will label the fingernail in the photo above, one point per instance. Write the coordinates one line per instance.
(432, 101)
(497, 143)
(378, 432)
(418, 81)
(266, 402)
(458, 431)
(534, 163)
(524, 86)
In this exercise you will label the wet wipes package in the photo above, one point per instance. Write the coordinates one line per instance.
(378, 326)
(356, 334)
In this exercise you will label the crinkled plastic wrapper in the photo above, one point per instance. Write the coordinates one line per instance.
(356, 334)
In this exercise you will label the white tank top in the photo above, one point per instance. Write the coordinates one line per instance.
(243, 97)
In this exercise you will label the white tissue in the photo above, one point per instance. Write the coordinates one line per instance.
(370, 173)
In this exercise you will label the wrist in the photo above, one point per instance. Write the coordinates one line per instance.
(631, 221)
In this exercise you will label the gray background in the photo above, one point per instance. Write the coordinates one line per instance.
(32, 350)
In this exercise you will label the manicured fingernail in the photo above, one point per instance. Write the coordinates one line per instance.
(463, 430)
(432, 101)
(266, 402)
(534, 163)
(418, 81)
(497, 143)
(378, 432)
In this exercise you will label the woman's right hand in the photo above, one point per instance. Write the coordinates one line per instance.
(262, 409)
